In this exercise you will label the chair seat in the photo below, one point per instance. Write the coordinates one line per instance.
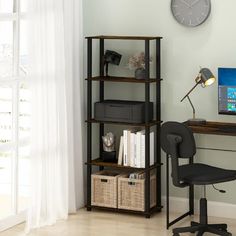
(201, 174)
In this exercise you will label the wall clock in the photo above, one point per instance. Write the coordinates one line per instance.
(191, 13)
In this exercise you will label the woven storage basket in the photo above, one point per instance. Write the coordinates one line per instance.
(131, 193)
(104, 189)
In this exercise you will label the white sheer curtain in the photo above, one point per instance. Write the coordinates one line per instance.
(55, 32)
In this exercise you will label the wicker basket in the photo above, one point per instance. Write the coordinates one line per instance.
(131, 193)
(104, 189)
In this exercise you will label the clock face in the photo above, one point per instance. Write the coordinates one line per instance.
(191, 12)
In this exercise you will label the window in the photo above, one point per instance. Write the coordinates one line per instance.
(14, 108)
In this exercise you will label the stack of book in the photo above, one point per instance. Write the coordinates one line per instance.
(132, 149)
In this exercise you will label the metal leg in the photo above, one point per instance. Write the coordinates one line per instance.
(167, 193)
(168, 223)
(89, 126)
(147, 129)
(101, 90)
(158, 117)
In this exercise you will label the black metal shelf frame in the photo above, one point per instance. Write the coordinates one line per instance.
(148, 211)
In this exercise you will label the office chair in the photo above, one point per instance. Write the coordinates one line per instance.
(177, 141)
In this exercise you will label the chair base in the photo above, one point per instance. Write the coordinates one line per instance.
(218, 229)
(203, 226)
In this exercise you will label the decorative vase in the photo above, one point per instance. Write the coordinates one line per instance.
(140, 73)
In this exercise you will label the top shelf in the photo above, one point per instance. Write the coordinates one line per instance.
(124, 37)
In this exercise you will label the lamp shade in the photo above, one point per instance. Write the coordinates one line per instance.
(112, 57)
(206, 77)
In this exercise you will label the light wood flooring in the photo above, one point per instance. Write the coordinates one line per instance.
(99, 223)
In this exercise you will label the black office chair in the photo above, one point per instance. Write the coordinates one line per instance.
(178, 142)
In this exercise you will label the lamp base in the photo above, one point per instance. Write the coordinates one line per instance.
(196, 121)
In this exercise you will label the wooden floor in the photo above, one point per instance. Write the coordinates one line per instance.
(98, 223)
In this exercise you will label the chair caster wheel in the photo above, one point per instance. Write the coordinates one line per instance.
(176, 234)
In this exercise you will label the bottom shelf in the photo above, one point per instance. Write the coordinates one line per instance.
(152, 210)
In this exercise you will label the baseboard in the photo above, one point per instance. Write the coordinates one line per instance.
(216, 209)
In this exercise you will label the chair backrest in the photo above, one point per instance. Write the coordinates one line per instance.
(177, 141)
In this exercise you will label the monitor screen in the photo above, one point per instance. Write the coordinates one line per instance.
(227, 91)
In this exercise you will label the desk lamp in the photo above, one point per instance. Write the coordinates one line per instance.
(111, 57)
(205, 78)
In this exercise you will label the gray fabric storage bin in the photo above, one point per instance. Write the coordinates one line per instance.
(122, 111)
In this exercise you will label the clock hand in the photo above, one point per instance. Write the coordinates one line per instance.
(194, 3)
(185, 3)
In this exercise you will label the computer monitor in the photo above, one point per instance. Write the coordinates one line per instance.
(227, 91)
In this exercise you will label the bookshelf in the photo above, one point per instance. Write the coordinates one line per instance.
(147, 83)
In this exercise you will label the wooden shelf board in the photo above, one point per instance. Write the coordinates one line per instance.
(151, 123)
(122, 79)
(99, 162)
(124, 37)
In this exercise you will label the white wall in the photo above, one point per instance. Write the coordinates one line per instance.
(212, 45)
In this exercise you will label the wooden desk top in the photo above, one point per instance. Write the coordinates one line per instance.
(216, 128)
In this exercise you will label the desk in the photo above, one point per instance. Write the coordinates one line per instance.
(216, 128)
(211, 127)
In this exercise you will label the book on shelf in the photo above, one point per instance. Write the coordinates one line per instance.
(121, 151)
(142, 150)
(142, 147)
(152, 148)
(134, 148)
(125, 136)
(129, 136)
(138, 149)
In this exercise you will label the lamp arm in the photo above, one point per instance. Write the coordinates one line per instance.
(191, 106)
(190, 91)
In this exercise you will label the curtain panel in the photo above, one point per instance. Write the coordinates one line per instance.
(55, 28)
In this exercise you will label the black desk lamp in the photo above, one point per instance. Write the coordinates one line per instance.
(111, 57)
(205, 78)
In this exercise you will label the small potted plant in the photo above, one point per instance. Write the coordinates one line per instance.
(137, 63)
